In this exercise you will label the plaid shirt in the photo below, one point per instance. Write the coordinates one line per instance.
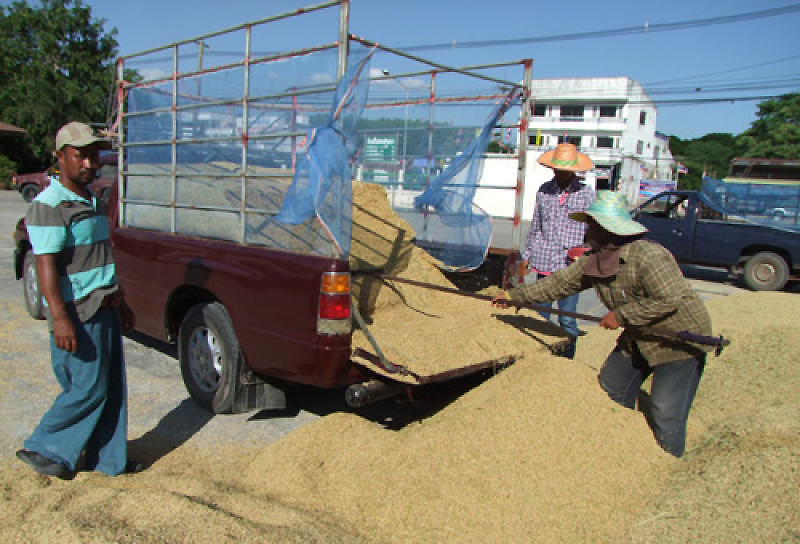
(552, 232)
(649, 289)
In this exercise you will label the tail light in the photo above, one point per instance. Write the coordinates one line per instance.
(334, 296)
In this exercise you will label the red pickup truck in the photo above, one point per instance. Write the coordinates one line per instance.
(30, 185)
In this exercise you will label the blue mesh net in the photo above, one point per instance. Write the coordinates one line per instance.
(321, 185)
(452, 227)
(769, 204)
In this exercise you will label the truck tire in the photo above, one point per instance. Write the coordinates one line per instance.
(766, 271)
(29, 192)
(209, 355)
(30, 287)
(105, 195)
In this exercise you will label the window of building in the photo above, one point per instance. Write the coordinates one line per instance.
(640, 147)
(605, 142)
(642, 117)
(539, 110)
(608, 111)
(572, 112)
(574, 140)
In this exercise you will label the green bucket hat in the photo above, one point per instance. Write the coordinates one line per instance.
(610, 210)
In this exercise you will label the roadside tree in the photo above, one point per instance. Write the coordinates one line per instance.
(56, 65)
(776, 132)
(709, 154)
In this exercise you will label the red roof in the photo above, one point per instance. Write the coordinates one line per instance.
(5, 127)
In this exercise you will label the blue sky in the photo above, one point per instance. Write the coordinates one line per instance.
(763, 51)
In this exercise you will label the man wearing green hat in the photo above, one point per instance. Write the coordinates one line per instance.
(641, 285)
(85, 312)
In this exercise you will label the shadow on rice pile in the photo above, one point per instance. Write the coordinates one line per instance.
(428, 334)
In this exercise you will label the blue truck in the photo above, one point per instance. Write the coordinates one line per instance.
(697, 231)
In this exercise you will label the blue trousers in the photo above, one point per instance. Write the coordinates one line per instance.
(90, 415)
(671, 394)
(569, 304)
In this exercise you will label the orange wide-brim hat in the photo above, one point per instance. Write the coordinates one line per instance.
(566, 157)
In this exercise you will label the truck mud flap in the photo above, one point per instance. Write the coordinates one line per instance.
(249, 393)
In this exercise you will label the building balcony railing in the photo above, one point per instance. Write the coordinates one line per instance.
(576, 118)
(599, 153)
(590, 125)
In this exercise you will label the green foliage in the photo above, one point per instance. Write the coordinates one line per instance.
(7, 170)
(495, 146)
(776, 132)
(711, 154)
(56, 66)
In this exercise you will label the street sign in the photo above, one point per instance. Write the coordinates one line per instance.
(380, 148)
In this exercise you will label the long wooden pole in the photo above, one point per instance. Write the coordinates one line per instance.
(686, 336)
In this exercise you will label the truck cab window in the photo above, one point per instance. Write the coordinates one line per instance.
(658, 207)
(677, 209)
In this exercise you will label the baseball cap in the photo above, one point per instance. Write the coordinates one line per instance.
(77, 134)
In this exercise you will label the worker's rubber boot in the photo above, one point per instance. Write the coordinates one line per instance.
(565, 348)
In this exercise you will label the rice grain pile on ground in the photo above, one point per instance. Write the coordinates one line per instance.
(535, 454)
(540, 454)
(740, 477)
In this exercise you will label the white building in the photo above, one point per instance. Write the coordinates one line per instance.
(611, 119)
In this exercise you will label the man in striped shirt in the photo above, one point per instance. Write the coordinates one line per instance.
(85, 310)
(552, 233)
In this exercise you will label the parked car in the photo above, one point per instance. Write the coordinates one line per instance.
(30, 185)
(686, 223)
(778, 214)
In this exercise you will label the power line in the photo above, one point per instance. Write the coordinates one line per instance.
(627, 30)
(731, 99)
(739, 69)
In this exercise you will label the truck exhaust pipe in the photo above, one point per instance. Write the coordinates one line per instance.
(362, 394)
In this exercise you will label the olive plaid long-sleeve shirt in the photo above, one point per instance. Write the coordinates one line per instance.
(552, 232)
(649, 289)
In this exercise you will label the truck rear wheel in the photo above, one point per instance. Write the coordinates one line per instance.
(30, 287)
(766, 271)
(29, 192)
(208, 353)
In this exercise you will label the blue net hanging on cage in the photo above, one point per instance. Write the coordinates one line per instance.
(321, 185)
(454, 229)
(768, 203)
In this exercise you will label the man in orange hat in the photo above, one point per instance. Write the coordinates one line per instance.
(552, 233)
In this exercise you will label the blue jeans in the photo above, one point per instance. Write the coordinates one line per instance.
(671, 395)
(90, 415)
(569, 304)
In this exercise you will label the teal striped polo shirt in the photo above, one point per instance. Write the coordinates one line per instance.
(76, 229)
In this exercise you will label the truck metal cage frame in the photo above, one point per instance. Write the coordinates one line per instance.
(212, 129)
